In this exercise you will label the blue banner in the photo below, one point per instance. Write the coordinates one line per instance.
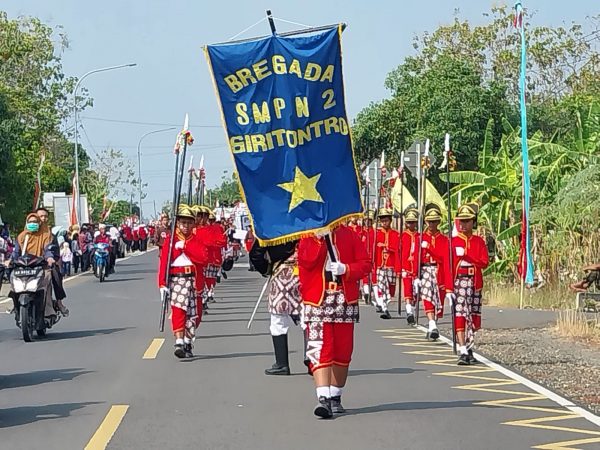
(283, 107)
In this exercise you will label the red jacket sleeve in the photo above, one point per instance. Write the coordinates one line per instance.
(361, 266)
(479, 256)
(162, 263)
(311, 251)
(196, 250)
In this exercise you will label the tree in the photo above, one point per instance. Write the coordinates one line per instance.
(33, 103)
(111, 175)
(227, 193)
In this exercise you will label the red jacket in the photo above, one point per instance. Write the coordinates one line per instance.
(127, 232)
(410, 251)
(437, 252)
(387, 249)
(103, 238)
(194, 249)
(217, 241)
(367, 236)
(142, 233)
(475, 254)
(312, 256)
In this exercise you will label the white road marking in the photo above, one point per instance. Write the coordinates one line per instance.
(591, 417)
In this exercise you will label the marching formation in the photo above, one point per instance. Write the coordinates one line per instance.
(316, 282)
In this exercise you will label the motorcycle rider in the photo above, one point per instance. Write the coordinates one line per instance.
(104, 238)
(57, 281)
(35, 241)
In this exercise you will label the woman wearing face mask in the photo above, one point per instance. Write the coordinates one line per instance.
(34, 240)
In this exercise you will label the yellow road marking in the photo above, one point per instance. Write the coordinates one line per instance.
(153, 348)
(107, 428)
(562, 445)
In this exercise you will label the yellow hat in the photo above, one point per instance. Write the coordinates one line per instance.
(411, 214)
(433, 212)
(385, 212)
(185, 211)
(211, 215)
(370, 215)
(197, 210)
(467, 211)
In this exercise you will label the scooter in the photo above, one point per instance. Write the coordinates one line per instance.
(101, 255)
(29, 291)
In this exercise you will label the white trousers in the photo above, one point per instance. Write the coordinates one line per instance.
(280, 324)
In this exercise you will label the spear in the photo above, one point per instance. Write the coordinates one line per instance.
(401, 227)
(423, 165)
(447, 163)
(180, 150)
(379, 182)
(191, 173)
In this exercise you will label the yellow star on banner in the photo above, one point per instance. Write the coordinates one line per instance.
(302, 189)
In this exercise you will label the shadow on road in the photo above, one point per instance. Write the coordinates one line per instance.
(409, 406)
(135, 272)
(392, 371)
(232, 320)
(115, 280)
(83, 333)
(22, 415)
(40, 377)
(218, 336)
(229, 356)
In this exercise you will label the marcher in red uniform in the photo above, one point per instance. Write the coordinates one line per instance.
(367, 236)
(143, 237)
(161, 231)
(330, 291)
(216, 243)
(410, 249)
(189, 252)
(201, 233)
(387, 263)
(434, 263)
(469, 259)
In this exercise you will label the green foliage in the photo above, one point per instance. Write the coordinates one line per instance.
(227, 193)
(463, 80)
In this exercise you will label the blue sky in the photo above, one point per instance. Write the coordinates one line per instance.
(165, 39)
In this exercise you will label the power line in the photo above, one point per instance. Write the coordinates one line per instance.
(134, 122)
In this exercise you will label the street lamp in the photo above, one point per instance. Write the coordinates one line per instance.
(140, 162)
(104, 69)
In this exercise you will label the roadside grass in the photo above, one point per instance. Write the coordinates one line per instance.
(506, 295)
(578, 325)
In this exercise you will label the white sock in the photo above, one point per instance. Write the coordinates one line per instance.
(187, 340)
(366, 289)
(323, 391)
(335, 391)
(432, 325)
(179, 341)
(409, 308)
(462, 349)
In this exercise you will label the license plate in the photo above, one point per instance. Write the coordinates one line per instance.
(25, 272)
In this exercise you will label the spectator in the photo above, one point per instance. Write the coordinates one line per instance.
(76, 251)
(66, 256)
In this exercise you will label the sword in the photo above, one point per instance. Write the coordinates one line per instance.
(262, 293)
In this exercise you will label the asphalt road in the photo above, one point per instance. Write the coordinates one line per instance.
(101, 371)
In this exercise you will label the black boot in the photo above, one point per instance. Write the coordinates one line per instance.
(281, 366)
(472, 359)
(323, 408)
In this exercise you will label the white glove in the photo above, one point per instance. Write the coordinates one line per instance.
(450, 298)
(179, 245)
(424, 244)
(416, 284)
(460, 251)
(328, 266)
(338, 268)
(164, 291)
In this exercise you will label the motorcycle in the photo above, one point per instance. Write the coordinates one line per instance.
(29, 289)
(101, 258)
